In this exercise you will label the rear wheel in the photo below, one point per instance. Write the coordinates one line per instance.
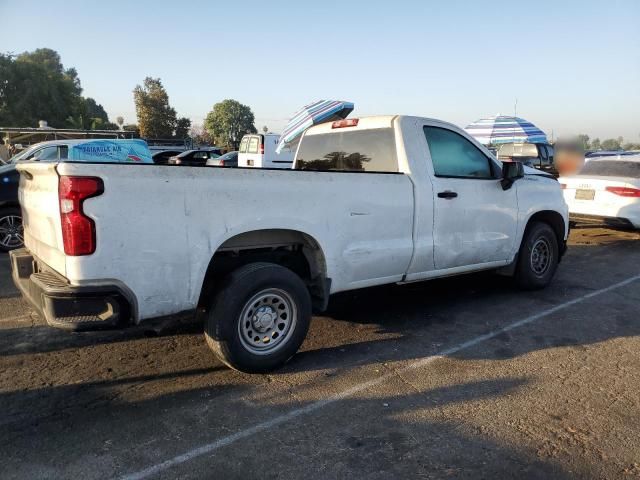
(11, 230)
(538, 257)
(259, 319)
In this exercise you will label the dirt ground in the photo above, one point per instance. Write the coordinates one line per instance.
(465, 377)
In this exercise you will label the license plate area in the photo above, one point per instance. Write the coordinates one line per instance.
(583, 194)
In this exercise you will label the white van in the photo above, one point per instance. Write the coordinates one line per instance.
(259, 151)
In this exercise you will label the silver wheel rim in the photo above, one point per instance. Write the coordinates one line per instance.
(267, 321)
(11, 231)
(540, 256)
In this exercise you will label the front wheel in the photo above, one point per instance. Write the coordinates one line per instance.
(11, 230)
(259, 319)
(538, 257)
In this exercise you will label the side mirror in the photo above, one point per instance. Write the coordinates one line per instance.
(511, 171)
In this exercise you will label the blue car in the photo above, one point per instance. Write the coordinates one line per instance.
(103, 151)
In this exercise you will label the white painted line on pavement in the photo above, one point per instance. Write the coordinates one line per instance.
(312, 407)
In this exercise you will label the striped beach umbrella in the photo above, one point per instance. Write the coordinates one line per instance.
(505, 129)
(313, 114)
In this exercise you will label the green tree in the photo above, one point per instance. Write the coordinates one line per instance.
(131, 127)
(200, 135)
(595, 144)
(183, 125)
(92, 110)
(36, 86)
(612, 143)
(228, 122)
(100, 124)
(156, 118)
(583, 140)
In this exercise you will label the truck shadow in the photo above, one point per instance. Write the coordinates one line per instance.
(423, 319)
(406, 440)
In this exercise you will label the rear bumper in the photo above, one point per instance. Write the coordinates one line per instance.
(63, 305)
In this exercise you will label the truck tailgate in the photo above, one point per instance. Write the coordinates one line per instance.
(41, 211)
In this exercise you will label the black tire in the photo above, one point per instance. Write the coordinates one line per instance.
(532, 271)
(248, 301)
(7, 234)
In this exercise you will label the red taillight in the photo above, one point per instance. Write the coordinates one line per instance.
(262, 149)
(351, 122)
(563, 186)
(624, 191)
(221, 163)
(78, 230)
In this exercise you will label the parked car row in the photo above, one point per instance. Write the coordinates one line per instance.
(195, 158)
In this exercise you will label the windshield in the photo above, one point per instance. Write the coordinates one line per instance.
(611, 168)
(229, 156)
(22, 155)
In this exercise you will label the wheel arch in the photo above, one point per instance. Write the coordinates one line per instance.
(293, 249)
(554, 220)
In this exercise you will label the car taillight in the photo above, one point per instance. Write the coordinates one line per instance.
(262, 149)
(221, 163)
(624, 191)
(351, 122)
(78, 230)
(563, 186)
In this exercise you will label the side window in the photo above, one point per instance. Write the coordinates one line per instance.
(455, 156)
(544, 156)
(253, 145)
(243, 145)
(551, 153)
(63, 152)
(45, 154)
(200, 155)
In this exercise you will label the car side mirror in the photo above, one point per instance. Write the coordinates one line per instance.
(511, 171)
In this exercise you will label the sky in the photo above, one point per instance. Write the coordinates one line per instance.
(571, 66)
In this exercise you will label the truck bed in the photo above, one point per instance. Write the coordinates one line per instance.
(157, 227)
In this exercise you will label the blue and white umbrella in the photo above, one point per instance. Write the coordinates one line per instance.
(317, 112)
(505, 129)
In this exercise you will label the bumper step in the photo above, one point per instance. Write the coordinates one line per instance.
(63, 305)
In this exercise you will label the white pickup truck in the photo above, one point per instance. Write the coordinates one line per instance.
(370, 201)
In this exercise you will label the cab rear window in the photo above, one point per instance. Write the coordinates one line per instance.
(349, 151)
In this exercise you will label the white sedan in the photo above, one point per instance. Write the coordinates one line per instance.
(606, 190)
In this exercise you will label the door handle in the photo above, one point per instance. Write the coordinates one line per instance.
(448, 194)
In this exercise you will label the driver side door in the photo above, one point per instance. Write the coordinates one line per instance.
(475, 220)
